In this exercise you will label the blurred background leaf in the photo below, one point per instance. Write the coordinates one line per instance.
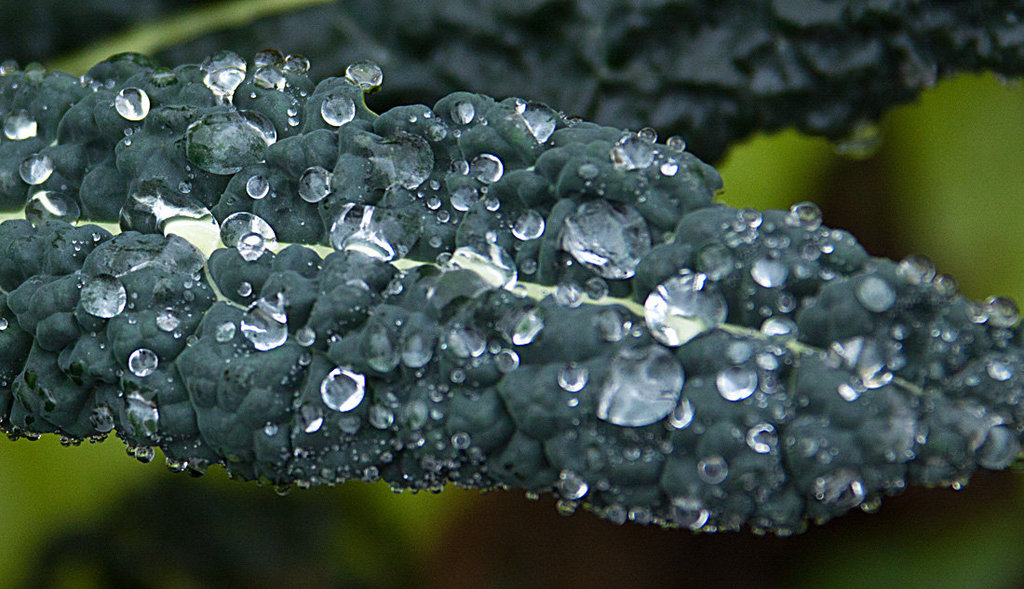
(945, 182)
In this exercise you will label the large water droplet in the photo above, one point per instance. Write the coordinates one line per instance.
(403, 159)
(142, 362)
(463, 112)
(417, 348)
(465, 342)
(609, 239)
(223, 143)
(496, 267)
(683, 307)
(529, 226)
(343, 390)
(373, 232)
(144, 417)
(19, 125)
(642, 387)
(540, 121)
(257, 187)
(315, 184)
(238, 231)
(103, 296)
(487, 168)
(464, 197)
(47, 204)
(132, 104)
(365, 74)
(265, 323)
(223, 72)
(736, 383)
(1001, 311)
(632, 153)
(804, 214)
(875, 294)
(36, 168)
(337, 109)
(769, 273)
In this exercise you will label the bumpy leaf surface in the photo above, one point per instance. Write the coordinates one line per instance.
(485, 293)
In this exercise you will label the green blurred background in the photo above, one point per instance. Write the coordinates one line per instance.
(945, 181)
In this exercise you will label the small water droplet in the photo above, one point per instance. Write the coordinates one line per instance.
(103, 296)
(257, 187)
(528, 327)
(736, 383)
(804, 214)
(713, 470)
(999, 369)
(916, 269)
(487, 168)
(464, 197)
(167, 321)
(365, 74)
(1001, 311)
(495, 267)
(337, 109)
(19, 126)
(142, 362)
(315, 184)
(225, 332)
(632, 153)
(761, 438)
(571, 486)
(310, 418)
(463, 112)
(769, 273)
(683, 307)
(265, 323)
(132, 104)
(528, 226)
(573, 377)
(250, 234)
(36, 168)
(540, 121)
(682, 416)
(343, 390)
(296, 63)
(676, 143)
(365, 228)
(506, 360)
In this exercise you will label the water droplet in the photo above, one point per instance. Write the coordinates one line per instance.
(495, 267)
(571, 486)
(999, 369)
(270, 429)
(669, 168)
(683, 307)
(461, 440)
(381, 417)
(464, 197)
(596, 288)
(103, 296)
(36, 168)
(102, 419)
(572, 377)
(167, 321)
(132, 104)
(761, 438)
(142, 362)
(999, 448)
(366, 229)
(47, 204)
(540, 121)
(588, 171)
(527, 327)
(309, 419)
(875, 294)
(465, 342)
(916, 269)
(463, 112)
(315, 184)
(642, 387)
(682, 416)
(804, 214)
(19, 125)
(238, 230)
(260, 123)
(244, 288)
(270, 77)
(265, 323)
(487, 168)
(689, 512)
(343, 390)
(1001, 311)
(365, 74)
(223, 143)
(337, 109)
(676, 143)
(257, 187)
(769, 273)
(647, 135)
(779, 326)
(529, 226)
(736, 383)
(568, 294)
(610, 239)
(144, 417)
(223, 72)
(713, 469)
(632, 153)
(842, 488)
(298, 64)
(417, 348)
(403, 159)
(506, 360)
(225, 332)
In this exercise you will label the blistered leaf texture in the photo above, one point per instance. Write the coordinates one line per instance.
(486, 293)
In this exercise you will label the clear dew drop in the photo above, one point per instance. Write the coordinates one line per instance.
(916, 269)
(689, 512)
(337, 109)
(736, 383)
(642, 387)
(1001, 311)
(260, 123)
(463, 112)
(224, 142)
(843, 488)
(103, 296)
(381, 417)
(144, 416)
(18, 125)
(361, 228)
(682, 416)
(528, 226)
(506, 361)
(875, 294)
(540, 121)
(102, 419)
(296, 63)
(609, 239)
(713, 470)
(632, 152)
(573, 377)
(528, 327)
(315, 184)
(999, 369)
(804, 214)
(257, 187)
(769, 273)
(464, 197)
(167, 321)
(487, 168)
(676, 143)
(47, 204)
(343, 390)
(571, 486)
(761, 438)
(683, 307)
(365, 74)
(669, 168)
(244, 288)
(309, 419)
(417, 349)
(265, 324)
(464, 341)
(239, 230)
(496, 267)
(132, 104)
(36, 169)
(142, 362)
